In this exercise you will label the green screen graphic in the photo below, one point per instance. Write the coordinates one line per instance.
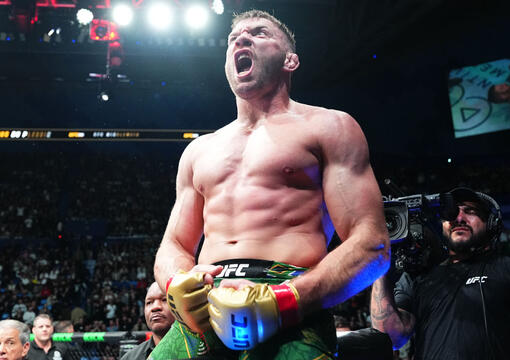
(480, 98)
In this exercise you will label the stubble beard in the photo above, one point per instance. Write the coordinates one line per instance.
(476, 241)
(261, 78)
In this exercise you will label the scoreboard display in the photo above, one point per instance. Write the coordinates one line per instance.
(30, 134)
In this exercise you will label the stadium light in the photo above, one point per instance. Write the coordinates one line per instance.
(104, 96)
(197, 16)
(122, 14)
(218, 7)
(84, 16)
(103, 30)
(160, 16)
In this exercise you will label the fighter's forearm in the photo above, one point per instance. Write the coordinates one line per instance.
(385, 315)
(343, 273)
(169, 259)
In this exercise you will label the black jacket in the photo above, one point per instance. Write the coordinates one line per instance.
(140, 352)
(57, 352)
(451, 304)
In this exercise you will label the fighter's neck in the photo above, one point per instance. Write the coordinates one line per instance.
(252, 111)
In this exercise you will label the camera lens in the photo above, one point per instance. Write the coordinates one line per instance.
(396, 217)
(393, 223)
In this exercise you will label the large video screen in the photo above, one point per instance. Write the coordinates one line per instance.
(480, 98)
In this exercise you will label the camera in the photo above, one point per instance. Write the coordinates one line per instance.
(414, 227)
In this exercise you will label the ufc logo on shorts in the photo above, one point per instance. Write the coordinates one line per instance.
(236, 269)
(476, 279)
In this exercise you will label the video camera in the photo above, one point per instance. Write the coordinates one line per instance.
(414, 227)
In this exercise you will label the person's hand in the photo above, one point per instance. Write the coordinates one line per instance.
(186, 293)
(210, 271)
(244, 314)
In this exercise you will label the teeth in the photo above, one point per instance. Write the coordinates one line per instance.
(243, 62)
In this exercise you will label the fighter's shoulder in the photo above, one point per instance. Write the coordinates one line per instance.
(328, 117)
(203, 143)
(330, 122)
(200, 143)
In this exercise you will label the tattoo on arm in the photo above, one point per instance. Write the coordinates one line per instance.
(381, 308)
(384, 313)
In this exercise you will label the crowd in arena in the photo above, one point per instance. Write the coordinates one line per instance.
(78, 235)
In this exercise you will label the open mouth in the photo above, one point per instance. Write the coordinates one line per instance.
(243, 63)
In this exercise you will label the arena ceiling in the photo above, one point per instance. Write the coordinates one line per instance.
(386, 62)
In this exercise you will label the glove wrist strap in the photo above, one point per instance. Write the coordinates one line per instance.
(168, 283)
(287, 299)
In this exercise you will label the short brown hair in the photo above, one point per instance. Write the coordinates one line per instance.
(265, 15)
(43, 316)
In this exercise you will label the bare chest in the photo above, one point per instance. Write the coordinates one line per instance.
(268, 158)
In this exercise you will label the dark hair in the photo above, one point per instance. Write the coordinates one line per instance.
(265, 15)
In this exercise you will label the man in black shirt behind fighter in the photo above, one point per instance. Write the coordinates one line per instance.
(158, 317)
(459, 309)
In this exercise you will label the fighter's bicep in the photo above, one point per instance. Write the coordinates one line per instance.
(352, 198)
(350, 189)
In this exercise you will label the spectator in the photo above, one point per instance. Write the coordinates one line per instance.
(64, 326)
(77, 313)
(29, 315)
(18, 309)
(43, 347)
(158, 318)
(14, 340)
(110, 309)
(113, 325)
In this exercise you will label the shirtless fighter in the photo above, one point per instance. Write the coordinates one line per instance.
(267, 192)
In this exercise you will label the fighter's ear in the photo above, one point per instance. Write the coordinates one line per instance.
(291, 62)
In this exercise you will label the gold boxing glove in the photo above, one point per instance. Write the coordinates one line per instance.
(186, 294)
(247, 317)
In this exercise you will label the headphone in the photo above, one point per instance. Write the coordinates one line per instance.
(494, 226)
(494, 221)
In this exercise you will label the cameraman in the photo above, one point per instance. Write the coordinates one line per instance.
(458, 309)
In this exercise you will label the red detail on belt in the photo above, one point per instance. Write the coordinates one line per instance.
(287, 304)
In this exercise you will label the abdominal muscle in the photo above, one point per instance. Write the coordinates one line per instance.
(281, 224)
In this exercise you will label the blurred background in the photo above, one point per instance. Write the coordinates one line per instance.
(96, 111)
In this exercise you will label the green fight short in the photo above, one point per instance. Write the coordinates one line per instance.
(313, 339)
